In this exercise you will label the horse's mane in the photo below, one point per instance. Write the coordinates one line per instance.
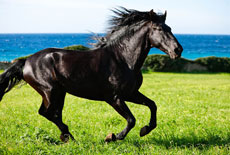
(126, 21)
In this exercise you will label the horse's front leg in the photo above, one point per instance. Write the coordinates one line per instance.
(141, 99)
(120, 106)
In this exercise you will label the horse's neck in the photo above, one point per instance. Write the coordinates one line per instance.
(135, 49)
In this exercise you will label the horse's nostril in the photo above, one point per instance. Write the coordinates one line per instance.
(178, 50)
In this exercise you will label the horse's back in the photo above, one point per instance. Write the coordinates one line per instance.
(59, 59)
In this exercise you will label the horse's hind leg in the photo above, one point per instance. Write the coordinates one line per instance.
(51, 109)
(141, 99)
(120, 106)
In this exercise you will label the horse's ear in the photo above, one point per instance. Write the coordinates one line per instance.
(164, 16)
(151, 13)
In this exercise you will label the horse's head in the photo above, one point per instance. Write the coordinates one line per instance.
(161, 37)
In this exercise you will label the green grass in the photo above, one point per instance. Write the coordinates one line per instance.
(193, 118)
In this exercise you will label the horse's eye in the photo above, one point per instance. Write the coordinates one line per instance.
(160, 29)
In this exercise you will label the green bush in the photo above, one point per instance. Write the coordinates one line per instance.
(162, 63)
(215, 64)
(77, 48)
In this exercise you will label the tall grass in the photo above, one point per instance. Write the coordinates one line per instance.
(193, 118)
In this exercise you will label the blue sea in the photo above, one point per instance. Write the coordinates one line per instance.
(195, 46)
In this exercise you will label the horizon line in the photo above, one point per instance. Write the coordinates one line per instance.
(102, 33)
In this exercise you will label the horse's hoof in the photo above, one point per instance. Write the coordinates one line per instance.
(65, 137)
(145, 130)
(110, 137)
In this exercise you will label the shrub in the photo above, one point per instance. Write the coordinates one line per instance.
(77, 48)
(163, 63)
(215, 64)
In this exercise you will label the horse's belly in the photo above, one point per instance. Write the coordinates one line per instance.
(92, 92)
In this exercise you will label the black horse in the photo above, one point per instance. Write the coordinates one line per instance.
(110, 72)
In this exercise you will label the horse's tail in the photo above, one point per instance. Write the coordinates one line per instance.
(11, 77)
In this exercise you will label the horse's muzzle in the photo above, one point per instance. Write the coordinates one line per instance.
(178, 52)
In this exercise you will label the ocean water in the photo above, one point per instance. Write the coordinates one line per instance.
(195, 46)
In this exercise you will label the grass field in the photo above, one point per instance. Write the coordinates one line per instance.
(193, 118)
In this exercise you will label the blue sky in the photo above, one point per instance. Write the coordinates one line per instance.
(74, 16)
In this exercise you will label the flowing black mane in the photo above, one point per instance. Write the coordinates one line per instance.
(126, 17)
(125, 22)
